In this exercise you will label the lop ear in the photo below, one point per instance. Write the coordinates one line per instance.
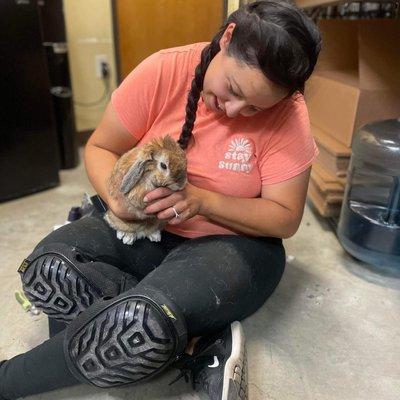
(136, 170)
(133, 176)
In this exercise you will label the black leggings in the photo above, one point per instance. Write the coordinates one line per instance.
(214, 280)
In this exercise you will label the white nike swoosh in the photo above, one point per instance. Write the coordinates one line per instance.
(216, 363)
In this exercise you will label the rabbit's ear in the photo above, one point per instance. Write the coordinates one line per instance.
(132, 177)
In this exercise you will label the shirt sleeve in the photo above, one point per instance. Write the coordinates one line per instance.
(136, 100)
(291, 149)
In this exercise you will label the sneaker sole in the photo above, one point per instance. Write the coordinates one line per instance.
(235, 372)
(53, 285)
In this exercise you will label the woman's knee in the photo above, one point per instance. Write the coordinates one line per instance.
(126, 339)
(63, 280)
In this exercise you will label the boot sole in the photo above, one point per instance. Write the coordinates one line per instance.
(54, 286)
(235, 372)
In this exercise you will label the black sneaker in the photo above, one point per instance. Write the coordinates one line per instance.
(218, 366)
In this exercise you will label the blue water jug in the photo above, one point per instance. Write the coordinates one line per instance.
(369, 223)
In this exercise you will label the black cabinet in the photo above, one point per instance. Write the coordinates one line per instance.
(29, 152)
(37, 123)
(54, 41)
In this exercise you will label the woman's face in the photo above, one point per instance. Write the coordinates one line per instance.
(234, 88)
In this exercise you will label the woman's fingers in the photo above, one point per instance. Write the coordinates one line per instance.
(163, 204)
(170, 214)
(165, 200)
(158, 193)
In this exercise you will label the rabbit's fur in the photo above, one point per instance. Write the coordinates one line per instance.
(160, 162)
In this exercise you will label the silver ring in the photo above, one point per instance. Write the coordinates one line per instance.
(176, 212)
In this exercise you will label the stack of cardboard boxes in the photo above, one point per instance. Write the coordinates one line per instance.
(356, 81)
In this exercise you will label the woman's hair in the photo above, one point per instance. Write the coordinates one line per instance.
(272, 35)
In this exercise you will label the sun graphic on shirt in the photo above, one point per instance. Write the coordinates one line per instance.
(240, 145)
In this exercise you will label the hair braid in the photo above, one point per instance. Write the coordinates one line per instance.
(207, 55)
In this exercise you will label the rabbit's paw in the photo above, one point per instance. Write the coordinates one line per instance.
(129, 238)
(126, 237)
(155, 236)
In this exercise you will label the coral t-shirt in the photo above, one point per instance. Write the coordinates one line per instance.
(232, 156)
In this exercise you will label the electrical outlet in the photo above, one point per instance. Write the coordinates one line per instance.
(99, 59)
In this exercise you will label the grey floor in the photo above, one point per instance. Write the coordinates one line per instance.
(330, 331)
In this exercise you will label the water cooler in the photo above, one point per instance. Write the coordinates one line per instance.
(369, 224)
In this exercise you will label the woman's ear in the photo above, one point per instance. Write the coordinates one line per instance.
(227, 36)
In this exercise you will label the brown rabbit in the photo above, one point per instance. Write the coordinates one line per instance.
(160, 162)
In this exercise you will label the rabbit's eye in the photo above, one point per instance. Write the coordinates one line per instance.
(163, 166)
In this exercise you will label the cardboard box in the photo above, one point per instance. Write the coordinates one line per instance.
(357, 79)
(329, 198)
(325, 184)
(325, 205)
(327, 175)
(325, 193)
(333, 156)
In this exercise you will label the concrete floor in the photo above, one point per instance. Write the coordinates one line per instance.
(330, 331)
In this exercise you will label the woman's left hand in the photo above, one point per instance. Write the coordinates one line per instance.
(187, 203)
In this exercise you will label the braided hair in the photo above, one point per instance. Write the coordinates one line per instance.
(274, 36)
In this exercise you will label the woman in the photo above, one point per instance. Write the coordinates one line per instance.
(133, 310)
